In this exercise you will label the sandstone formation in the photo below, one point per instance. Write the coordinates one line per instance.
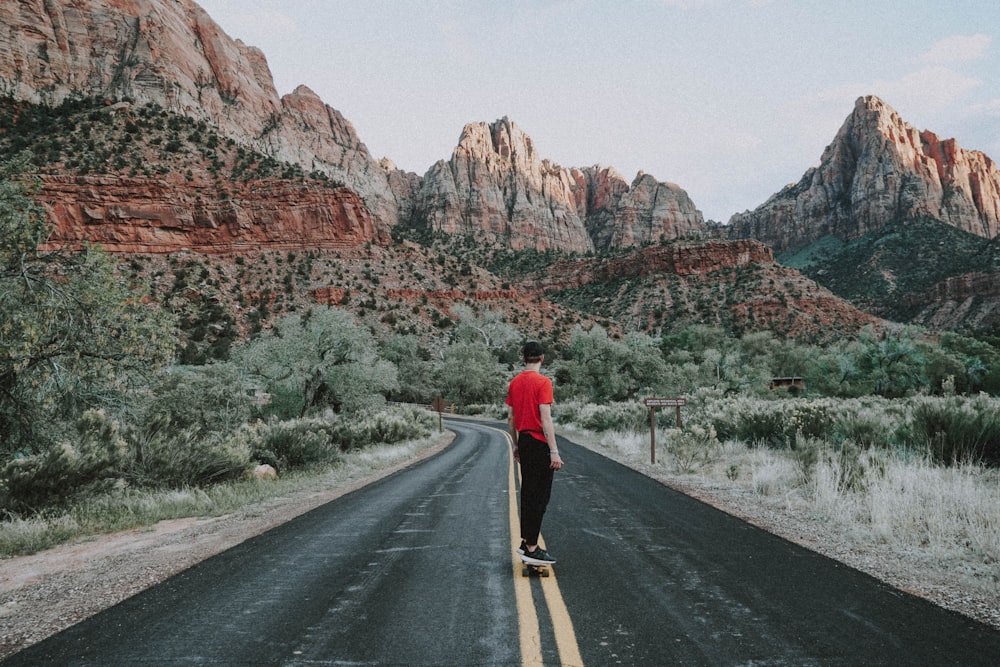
(659, 286)
(172, 53)
(496, 187)
(879, 169)
(969, 301)
(678, 259)
(147, 215)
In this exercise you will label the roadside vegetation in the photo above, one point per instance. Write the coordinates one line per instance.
(121, 406)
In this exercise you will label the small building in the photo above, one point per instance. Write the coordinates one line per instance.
(796, 384)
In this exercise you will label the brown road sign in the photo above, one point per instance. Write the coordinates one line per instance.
(665, 402)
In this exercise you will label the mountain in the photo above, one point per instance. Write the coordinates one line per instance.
(919, 271)
(877, 171)
(496, 187)
(173, 54)
(158, 136)
(898, 222)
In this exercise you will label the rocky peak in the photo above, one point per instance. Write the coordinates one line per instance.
(172, 53)
(877, 170)
(496, 187)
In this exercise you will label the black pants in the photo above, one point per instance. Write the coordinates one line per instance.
(536, 484)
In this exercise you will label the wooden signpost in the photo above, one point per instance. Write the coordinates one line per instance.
(652, 404)
(440, 405)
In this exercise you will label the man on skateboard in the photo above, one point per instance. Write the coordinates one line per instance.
(529, 419)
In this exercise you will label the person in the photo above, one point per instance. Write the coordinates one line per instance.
(529, 419)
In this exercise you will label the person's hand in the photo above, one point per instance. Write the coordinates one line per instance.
(517, 455)
(555, 462)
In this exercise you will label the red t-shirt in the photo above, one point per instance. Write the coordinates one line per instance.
(526, 392)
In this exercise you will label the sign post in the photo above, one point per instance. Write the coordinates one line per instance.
(652, 404)
(440, 404)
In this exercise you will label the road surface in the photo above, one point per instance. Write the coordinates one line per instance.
(419, 569)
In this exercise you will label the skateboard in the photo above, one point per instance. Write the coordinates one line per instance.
(533, 569)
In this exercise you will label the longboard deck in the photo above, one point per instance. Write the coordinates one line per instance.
(532, 570)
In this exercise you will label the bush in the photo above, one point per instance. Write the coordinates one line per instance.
(301, 442)
(691, 447)
(169, 458)
(209, 399)
(627, 416)
(762, 423)
(67, 469)
(387, 426)
(321, 440)
(811, 419)
(956, 430)
(868, 427)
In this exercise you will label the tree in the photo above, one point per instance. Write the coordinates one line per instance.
(892, 363)
(325, 358)
(469, 373)
(414, 368)
(488, 328)
(73, 334)
(600, 369)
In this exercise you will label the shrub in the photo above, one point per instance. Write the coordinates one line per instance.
(169, 458)
(955, 430)
(301, 442)
(208, 399)
(692, 447)
(321, 440)
(762, 423)
(627, 416)
(64, 471)
(811, 419)
(387, 426)
(867, 427)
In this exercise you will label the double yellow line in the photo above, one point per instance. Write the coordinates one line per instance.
(530, 632)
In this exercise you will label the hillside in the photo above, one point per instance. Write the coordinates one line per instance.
(229, 238)
(920, 270)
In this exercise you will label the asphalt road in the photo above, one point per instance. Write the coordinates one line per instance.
(418, 569)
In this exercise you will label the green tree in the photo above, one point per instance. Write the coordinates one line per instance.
(202, 399)
(469, 373)
(892, 363)
(324, 358)
(600, 369)
(73, 334)
(414, 367)
(488, 328)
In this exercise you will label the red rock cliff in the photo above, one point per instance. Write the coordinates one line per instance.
(172, 53)
(146, 215)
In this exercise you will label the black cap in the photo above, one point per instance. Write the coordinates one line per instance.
(532, 351)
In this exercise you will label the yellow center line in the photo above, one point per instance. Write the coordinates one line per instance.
(531, 641)
(530, 633)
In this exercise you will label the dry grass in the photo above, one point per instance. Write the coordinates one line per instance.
(932, 530)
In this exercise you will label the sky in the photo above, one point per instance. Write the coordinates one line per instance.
(729, 99)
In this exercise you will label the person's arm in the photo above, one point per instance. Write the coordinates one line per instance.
(545, 412)
(513, 431)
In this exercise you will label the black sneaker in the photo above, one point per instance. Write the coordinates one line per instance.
(524, 547)
(537, 557)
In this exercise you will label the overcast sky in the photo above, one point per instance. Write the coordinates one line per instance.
(730, 99)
